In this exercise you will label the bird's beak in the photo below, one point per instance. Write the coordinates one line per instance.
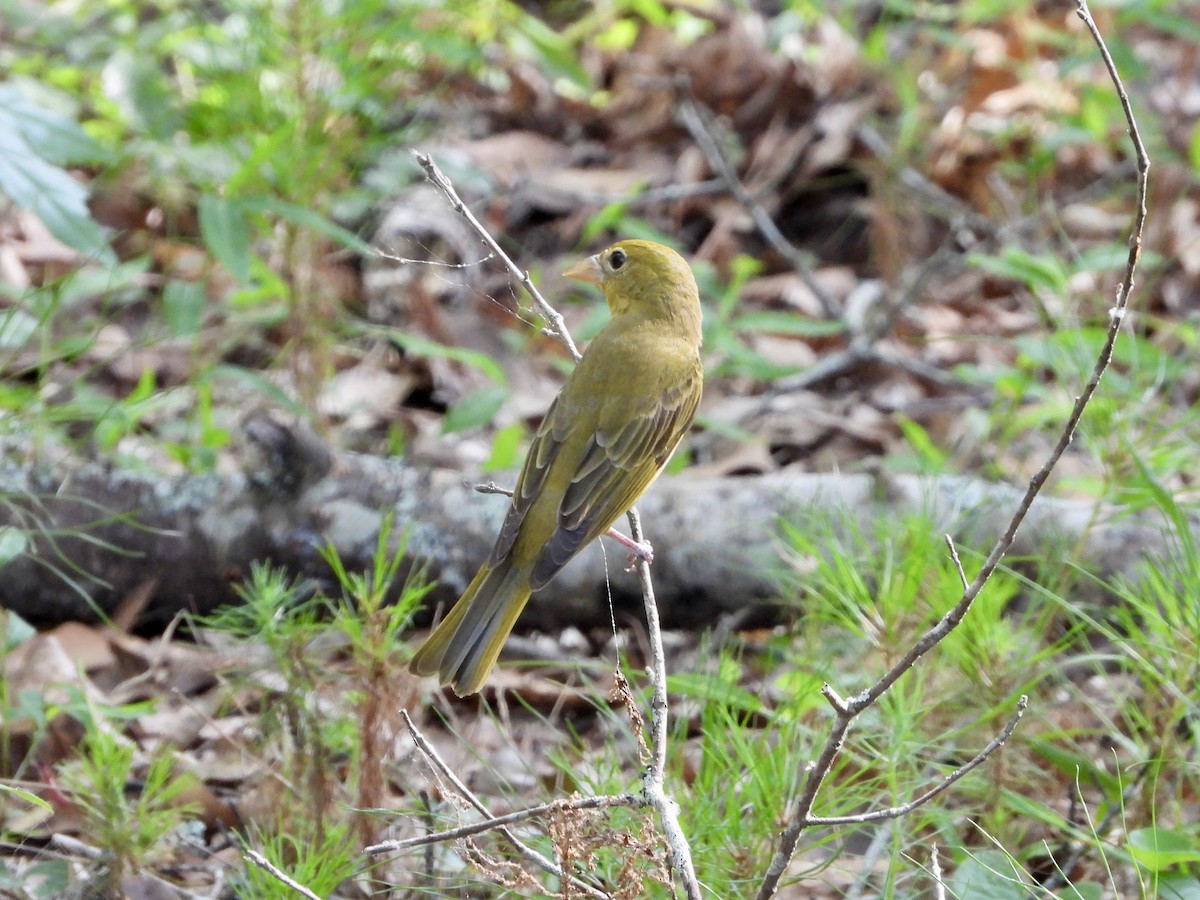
(586, 270)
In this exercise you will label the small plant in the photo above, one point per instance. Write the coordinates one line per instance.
(319, 862)
(131, 824)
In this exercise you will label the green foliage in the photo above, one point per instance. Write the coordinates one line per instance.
(130, 826)
(729, 333)
(293, 623)
(746, 760)
(34, 143)
(861, 601)
(320, 862)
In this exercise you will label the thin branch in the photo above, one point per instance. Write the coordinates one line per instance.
(539, 859)
(694, 120)
(904, 809)
(654, 779)
(935, 869)
(958, 566)
(265, 864)
(847, 710)
(604, 801)
(557, 327)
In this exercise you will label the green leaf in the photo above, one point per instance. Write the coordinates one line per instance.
(33, 799)
(1082, 890)
(183, 307)
(476, 408)
(506, 446)
(987, 874)
(58, 140)
(16, 327)
(136, 84)
(421, 346)
(789, 323)
(30, 178)
(226, 234)
(1160, 848)
(13, 542)
(1035, 272)
(307, 218)
(931, 456)
(1178, 886)
(16, 630)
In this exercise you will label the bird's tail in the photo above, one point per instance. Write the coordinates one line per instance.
(464, 646)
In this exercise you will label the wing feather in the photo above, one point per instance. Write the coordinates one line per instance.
(614, 471)
(544, 449)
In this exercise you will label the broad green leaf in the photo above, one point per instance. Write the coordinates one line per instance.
(16, 328)
(307, 218)
(790, 323)
(44, 189)
(1178, 886)
(226, 234)
(13, 542)
(137, 85)
(1160, 848)
(506, 446)
(476, 408)
(57, 140)
(987, 874)
(16, 630)
(421, 346)
(1035, 272)
(183, 306)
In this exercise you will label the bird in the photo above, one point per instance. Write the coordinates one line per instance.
(606, 436)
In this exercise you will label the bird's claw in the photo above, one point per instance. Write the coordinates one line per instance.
(639, 553)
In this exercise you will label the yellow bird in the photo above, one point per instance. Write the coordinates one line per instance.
(605, 438)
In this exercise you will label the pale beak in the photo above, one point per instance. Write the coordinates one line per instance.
(588, 270)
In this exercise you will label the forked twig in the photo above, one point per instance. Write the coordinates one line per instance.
(539, 859)
(557, 327)
(847, 710)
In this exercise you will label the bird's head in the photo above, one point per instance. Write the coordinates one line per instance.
(644, 278)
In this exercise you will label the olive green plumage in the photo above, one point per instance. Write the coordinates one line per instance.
(605, 438)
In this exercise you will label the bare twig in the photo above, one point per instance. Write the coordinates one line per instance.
(693, 117)
(439, 764)
(603, 801)
(557, 327)
(962, 576)
(653, 780)
(265, 864)
(847, 710)
(904, 809)
(935, 869)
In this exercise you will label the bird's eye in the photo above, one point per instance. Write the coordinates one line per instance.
(617, 259)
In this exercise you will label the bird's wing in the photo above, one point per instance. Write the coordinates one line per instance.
(543, 450)
(616, 468)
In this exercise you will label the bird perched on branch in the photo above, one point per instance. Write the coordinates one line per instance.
(605, 438)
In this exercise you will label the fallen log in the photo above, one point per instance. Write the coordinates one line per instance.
(96, 535)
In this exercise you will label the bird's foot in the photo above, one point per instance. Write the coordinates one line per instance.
(637, 552)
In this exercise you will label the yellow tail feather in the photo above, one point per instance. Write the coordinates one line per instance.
(465, 645)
